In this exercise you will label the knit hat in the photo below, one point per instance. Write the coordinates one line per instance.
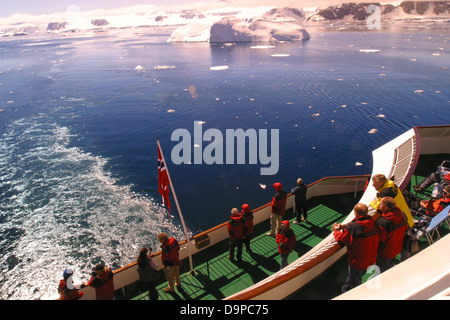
(286, 223)
(245, 208)
(98, 267)
(67, 273)
(278, 186)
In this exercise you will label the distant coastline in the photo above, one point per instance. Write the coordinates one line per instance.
(75, 21)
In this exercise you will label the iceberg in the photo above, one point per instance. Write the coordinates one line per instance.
(232, 29)
(219, 68)
(193, 32)
(277, 31)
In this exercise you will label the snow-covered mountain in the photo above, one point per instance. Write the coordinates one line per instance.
(151, 16)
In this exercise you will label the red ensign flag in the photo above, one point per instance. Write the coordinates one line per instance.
(163, 180)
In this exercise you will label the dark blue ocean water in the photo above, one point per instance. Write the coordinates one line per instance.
(78, 151)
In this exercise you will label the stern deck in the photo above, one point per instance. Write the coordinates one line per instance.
(217, 277)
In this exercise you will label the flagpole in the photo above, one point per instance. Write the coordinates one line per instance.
(179, 210)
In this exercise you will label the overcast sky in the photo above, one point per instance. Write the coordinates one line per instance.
(39, 7)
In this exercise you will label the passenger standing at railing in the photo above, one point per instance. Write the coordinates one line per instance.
(247, 216)
(278, 208)
(387, 188)
(361, 238)
(299, 193)
(102, 281)
(392, 225)
(148, 274)
(66, 289)
(170, 257)
(286, 242)
(235, 229)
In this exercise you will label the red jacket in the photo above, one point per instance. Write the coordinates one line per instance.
(103, 284)
(170, 253)
(279, 200)
(392, 226)
(247, 216)
(68, 294)
(236, 227)
(437, 205)
(361, 238)
(285, 239)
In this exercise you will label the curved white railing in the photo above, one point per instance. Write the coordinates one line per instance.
(397, 159)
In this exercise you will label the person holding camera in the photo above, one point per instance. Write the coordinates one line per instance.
(102, 281)
(148, 274)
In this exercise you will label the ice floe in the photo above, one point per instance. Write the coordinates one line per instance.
(216, 68)
(164, 67)
(280, 55)
(369, 50)
(262, 47)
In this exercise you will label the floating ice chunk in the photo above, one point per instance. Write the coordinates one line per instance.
(373, 131)
(419, 91)
(262, 47)
(263, 186)
(139, 67)
(369, 50)
(358, 164)
(280, 55)
(219, 68)
(164, 67)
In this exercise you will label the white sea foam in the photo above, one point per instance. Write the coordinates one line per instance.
(61, 208)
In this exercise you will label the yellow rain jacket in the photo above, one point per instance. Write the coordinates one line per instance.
(389, 189)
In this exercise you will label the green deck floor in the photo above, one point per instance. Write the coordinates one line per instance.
(328, 285)
(218, 277)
